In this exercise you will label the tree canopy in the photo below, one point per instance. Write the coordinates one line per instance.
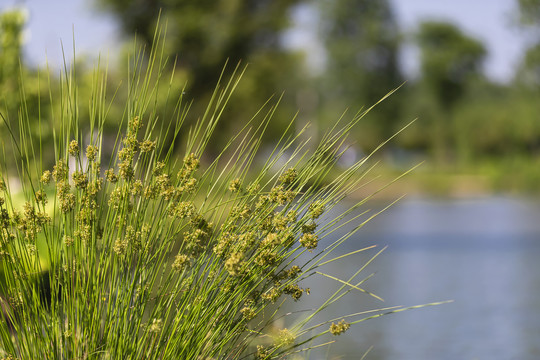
(449, 59)
(362, 40)
(206, 33)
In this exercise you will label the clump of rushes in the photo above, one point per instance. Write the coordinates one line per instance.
(162, 255)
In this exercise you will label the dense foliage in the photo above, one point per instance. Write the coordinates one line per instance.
(451, 95)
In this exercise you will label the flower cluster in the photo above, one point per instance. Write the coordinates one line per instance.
(91, 152)
(148, 146)
(249, 311)
(289, 176)
(234, 263)
(262, 353)
(316, 209)
(28, 224)
(234, 185)
(309, 241)
(155, 326)
(73, 148)
(46, 177)
(186, 181)
(295, 291)
(284, 338)
(196, 240)
(181, 262)
(339, 328)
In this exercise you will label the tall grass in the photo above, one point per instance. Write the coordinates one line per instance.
(155, 250)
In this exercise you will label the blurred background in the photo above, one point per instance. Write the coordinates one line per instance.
(469, 73)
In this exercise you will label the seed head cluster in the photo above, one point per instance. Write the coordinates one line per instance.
(73, 148)
(285, 338)
(339, 328)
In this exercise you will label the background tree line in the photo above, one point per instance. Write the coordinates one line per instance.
(465, 120)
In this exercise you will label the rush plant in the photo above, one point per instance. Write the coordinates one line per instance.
(141, 245)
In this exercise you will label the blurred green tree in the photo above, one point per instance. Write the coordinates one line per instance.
(24, 92)
(205, 34)
(450, 62)
(529, 12)
(11, 36)
(528, 73)
(449, 59)
(362, 40)
(529, 18)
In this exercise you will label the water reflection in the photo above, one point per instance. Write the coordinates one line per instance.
(483, 254)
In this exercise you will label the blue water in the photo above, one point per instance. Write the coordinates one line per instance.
(483, 254)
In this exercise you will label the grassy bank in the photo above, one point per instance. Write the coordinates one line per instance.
(517, 176)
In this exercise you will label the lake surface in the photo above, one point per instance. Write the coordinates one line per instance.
(483, 254)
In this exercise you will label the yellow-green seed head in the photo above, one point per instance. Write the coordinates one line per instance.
(248, 312)
(147, 146)
(73, 148)
(316, 209)
(234, 185)
(155, 326)
(134, 125)
(111, 176)
(234, 264)
(181, 262)
(288, 176)
(120, 246)
(285, 338)
(91, 152)
(309, 241)
(339, 328)
(79, 179)
(60, 171)
(191, 162)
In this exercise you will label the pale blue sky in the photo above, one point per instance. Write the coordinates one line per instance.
(487, 20)
(491, 21)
